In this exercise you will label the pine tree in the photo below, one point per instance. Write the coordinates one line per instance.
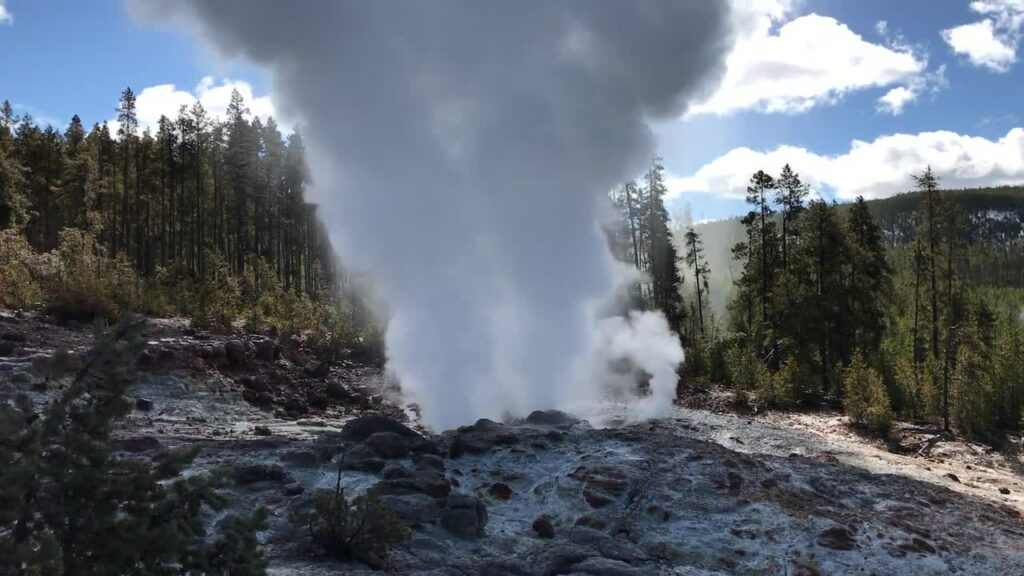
(701, 271)
(662, 263)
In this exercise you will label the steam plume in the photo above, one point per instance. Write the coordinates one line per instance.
(461, 152)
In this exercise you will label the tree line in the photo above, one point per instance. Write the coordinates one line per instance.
(199, 215)
(829, 307)
(196, 189)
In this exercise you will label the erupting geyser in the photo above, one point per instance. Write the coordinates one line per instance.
(461, 151)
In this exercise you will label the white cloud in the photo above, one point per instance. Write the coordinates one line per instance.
(992, 41)
(5, 14)
(896, 100)
(872, 169)
(781, 66)
(167, 99)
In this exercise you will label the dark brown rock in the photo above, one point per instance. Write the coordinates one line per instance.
(543, 527)
(837, 538)
(500, 490)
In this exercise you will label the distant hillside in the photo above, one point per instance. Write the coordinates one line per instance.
(995, 217)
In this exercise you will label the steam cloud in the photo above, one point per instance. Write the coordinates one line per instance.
(461, 151)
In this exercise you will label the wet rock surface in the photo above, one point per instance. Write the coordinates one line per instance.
(548, 494)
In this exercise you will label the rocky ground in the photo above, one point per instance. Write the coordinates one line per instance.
(697, 493)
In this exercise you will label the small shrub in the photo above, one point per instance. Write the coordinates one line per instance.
(779, 390)
(358, 529)
(745, 368)
(866, 399)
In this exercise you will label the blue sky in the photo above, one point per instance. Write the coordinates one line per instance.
(951, 64)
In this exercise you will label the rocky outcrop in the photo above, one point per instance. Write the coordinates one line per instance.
(464, 516)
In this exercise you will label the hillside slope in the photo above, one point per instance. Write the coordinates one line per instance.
(994, 219)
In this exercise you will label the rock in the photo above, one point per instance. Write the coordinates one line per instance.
(606, 567)
(464, 516)
(428, 462)
(214, 351)
(317, 369)
(395, 470)
(1004, 490)
(293, 489)
(602, 485)
(254, 473)
(13, 337)
(917, 545)
(543, 527)
(137, 444)
(837, 538)
(500, 490)
(549, 418)
(262, 431)
(7, 348)
(235, 351)
(504, 568)
(360, 457)
(412, 509)
(469, 443)
(361, 428)
(387, 445)
(265, 350)
(336, 391)
(301, 458)
(143, 404)
(952, 477)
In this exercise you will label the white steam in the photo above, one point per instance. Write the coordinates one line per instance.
(461, 152)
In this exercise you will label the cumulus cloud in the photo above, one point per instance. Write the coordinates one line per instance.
(896, 100)
(166, 99)
(871, 169)
(991, 42)
(5, 14)
(791, 66)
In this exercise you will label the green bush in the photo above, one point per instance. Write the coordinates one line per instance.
(746, 370)
(358, 529)
(20, 285)
(68, 505)
(866, 399)
(779, 390)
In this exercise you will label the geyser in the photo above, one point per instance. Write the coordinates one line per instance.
(461, 151)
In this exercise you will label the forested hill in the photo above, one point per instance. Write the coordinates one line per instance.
(993, 219)
(992, 215)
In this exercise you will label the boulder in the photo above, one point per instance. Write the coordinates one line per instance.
(361, 458)
(606, 567)
(396, 470)
(317, 369)
(254, 473)
(7, 348)
(500, 490)
(361, 428)
(266, 350)
(543, 527)
(262, 431)
(387, 445)
(301, 458)
(411, 509)
(837, 538)
(602, 484)
(464, 516)
(143, 404)
(549, 418)
(137, 444)
(235, 351)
